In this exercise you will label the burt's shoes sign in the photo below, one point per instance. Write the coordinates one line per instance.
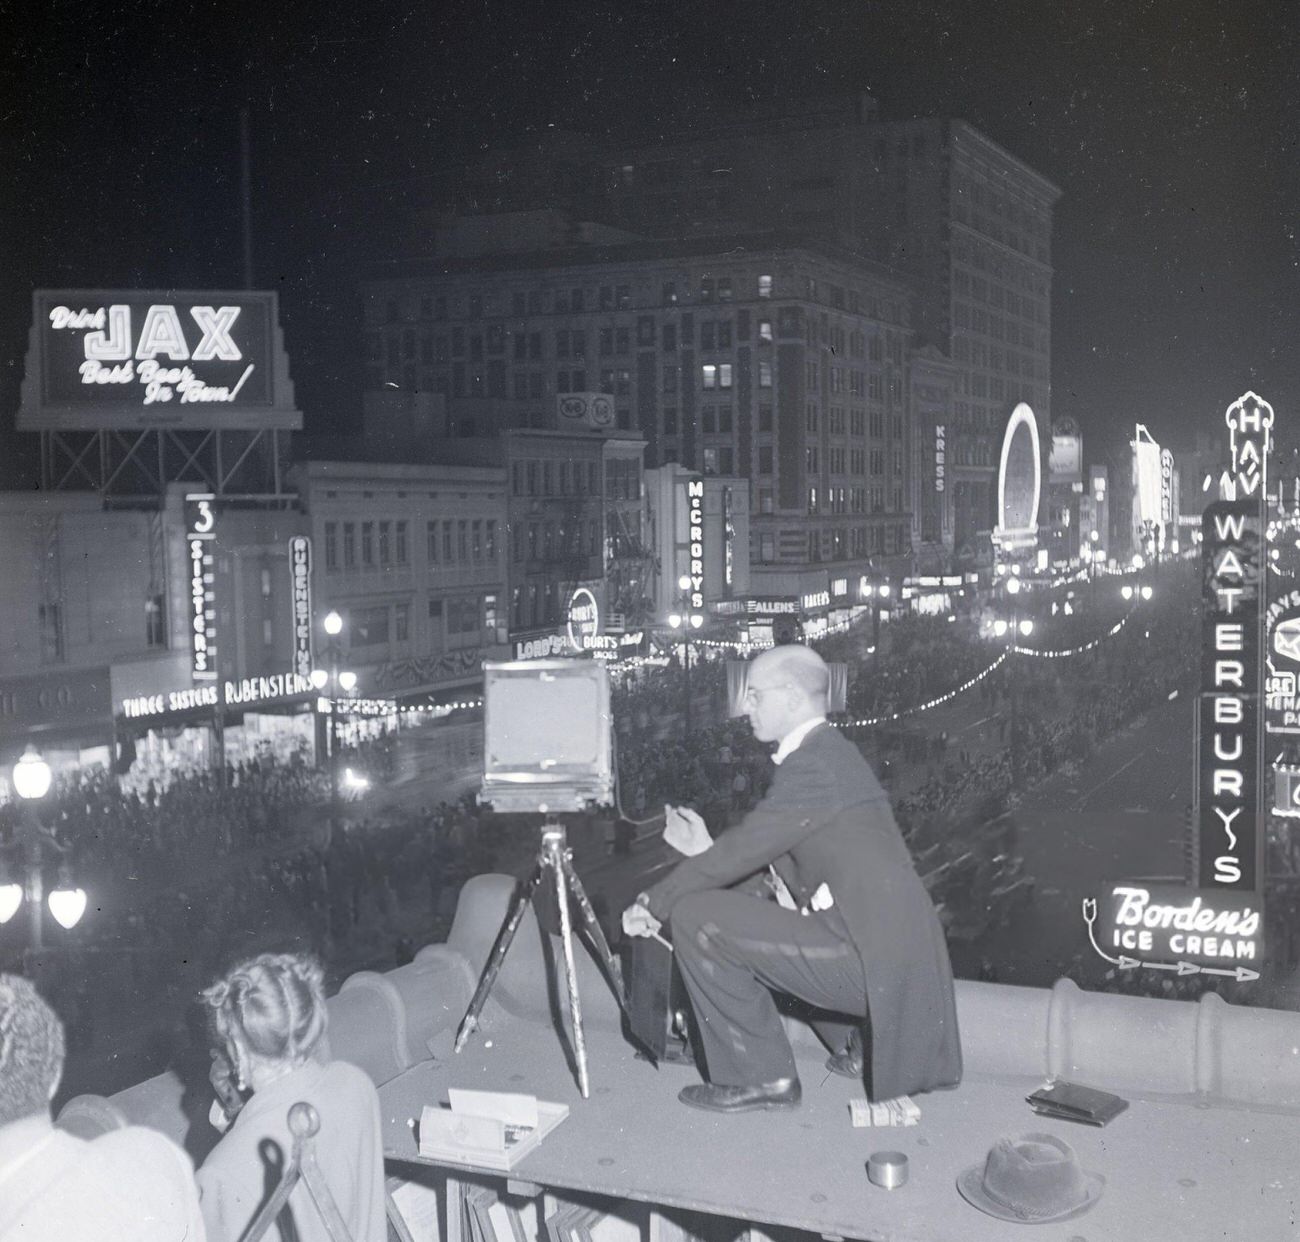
(120, 359)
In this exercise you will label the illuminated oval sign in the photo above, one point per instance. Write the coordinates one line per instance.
(1019, 480)
(584, 618)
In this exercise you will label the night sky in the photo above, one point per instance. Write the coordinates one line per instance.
(1171, 128)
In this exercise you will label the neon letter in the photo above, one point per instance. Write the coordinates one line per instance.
(162, 334)
(216, 325)
(116, 346)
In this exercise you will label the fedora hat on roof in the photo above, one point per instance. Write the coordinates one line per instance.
(1030, 1179)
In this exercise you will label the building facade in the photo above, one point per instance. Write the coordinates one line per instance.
(413, 558)
(969, 224)
(783, 363)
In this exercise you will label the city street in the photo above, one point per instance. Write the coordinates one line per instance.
(1119, 814)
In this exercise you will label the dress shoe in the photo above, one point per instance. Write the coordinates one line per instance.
(847, 1064)
(716, 1098)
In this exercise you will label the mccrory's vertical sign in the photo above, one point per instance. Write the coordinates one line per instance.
(695, 538)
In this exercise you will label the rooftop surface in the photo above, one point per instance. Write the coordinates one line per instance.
(1174, 1168)
(1205, 1150)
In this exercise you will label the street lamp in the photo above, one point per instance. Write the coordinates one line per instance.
(685, 620)
(32, 778)
(345, 681)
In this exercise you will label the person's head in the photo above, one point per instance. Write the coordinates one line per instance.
(270, 1013)
(787, 686)
(31, 1051)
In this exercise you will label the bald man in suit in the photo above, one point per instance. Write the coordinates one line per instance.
(863, 939)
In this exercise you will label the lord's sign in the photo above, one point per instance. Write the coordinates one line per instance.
(144, 359)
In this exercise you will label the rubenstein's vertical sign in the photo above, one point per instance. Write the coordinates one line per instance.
(200, 561)
(300, 571)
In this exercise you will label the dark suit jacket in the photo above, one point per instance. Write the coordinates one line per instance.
(826, 819)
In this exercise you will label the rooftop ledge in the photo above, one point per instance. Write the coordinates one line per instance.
(1203, 1151)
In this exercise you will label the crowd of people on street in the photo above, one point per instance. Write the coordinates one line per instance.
(187, 876)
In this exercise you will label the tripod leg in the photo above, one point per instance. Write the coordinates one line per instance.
(613, 968)
(555, 859)
(504, 937)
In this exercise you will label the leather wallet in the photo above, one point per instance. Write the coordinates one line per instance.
(1068, 1101)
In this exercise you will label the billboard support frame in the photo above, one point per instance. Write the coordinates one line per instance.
(109, 462)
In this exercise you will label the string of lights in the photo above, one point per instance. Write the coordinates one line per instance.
(1071, 651)
(742, 646)
(1011, 650)
(924, 707)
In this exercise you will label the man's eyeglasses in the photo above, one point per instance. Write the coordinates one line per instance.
(754, 693)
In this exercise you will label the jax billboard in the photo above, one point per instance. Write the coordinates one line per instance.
(131, 359)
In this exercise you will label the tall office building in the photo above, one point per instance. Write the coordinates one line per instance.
(964, 219)
(773, 358)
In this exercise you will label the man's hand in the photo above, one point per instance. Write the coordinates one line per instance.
(685, 831)
(638, 921)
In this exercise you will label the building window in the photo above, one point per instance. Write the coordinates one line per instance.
(385, 543)
(709, 375)
(367, 543)
(765, 459)
(724, 375)
(349, 545)
(400, 555)
(765, 374)
(331, 545)
(669, 338)
(476, 539)
(402, 623)
(490, 540)
(155, 621)
(369, 627)
(435, 623)
(431, 538)
(462, 541)
(764, 286)
(490, 614)
(764, 331)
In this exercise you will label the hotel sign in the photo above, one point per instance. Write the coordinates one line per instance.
(1231, 533)
(300, 570)
(200, 544)
(146, 359)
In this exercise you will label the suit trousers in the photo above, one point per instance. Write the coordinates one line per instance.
(733, 951)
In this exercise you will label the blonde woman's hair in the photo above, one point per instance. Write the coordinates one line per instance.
(273, 1004)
